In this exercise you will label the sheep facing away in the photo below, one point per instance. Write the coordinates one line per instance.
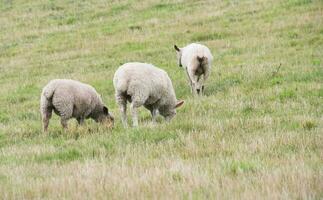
(72, 99)
(144, 84)
(196, 59)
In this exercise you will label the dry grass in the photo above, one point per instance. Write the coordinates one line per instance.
(256, 134)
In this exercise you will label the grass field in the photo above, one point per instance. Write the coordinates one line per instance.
(256, 134)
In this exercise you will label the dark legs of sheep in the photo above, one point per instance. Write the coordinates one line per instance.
(122, 102)
(154, 112)
(64, 123)
(134, 113)
(80, 121)
(123, 110)
(137, 101)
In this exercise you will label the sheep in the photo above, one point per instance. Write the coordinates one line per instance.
(72, 99)
(196, 59)
(144, 84)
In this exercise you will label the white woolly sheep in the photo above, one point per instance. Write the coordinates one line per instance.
(72, 99)
(196, 59)
(147, 85)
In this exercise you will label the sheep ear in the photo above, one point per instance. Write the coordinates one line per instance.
(176, 48)
(105, 110)
(179, 103)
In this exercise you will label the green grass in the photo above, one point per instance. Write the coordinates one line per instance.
(256, 134)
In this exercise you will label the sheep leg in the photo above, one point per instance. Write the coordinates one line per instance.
(134, 113)
(64, 108)
(66, 114)
(201, 83)
(205, 77)
(194, 82)
(190, 81)
(46, 115)
(64, 118)
(46, 110)
(167, 119)
(192, 87)
(80, 120)
(206, 73)
(122, 102)
(195, 90)
(123, 110)
(64, 123)
(153, 112)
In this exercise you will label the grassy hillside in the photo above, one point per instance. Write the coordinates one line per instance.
(256, 134)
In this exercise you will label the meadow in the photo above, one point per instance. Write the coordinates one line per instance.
(255, 134)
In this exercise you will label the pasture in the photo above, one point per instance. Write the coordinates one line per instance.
(255, 134)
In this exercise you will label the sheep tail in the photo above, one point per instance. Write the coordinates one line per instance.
(202, 64)
(48, 92)
(46, 98)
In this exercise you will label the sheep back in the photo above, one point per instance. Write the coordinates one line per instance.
(192, 52)
(144, 83)
(70, 98)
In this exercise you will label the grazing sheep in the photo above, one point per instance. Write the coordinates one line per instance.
(72, 99)
(147, 85)
(196, 59)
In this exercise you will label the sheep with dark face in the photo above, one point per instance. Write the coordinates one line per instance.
(147, 85)
(196, 59)
(72, 99)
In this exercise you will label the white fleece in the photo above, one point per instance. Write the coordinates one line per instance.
(147, 85)
(70, 99)
(188, 56)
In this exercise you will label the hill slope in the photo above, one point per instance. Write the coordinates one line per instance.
(257, 133)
